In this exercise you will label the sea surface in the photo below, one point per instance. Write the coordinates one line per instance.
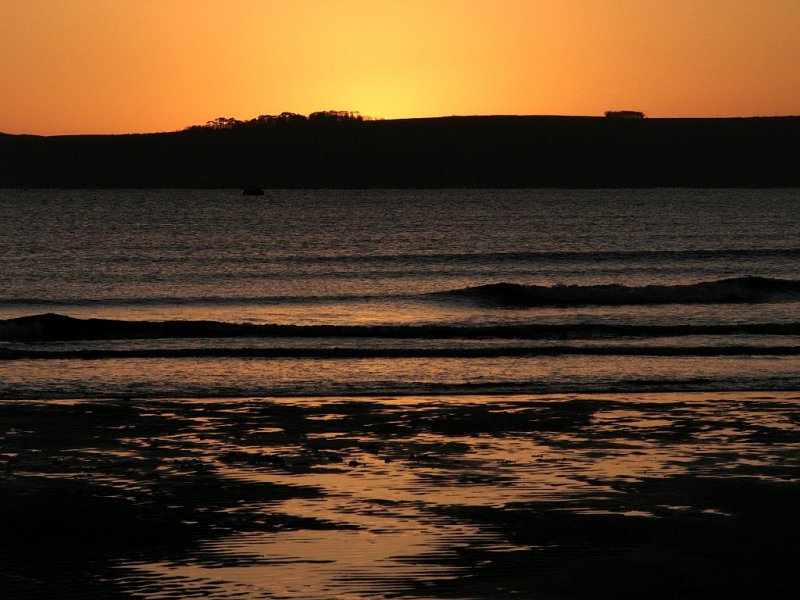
(399, 394)
(187, 293)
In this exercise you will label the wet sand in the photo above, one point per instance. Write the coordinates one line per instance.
(554, 497)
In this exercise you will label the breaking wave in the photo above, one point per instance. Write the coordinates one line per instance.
(55, 327)
(723, 291)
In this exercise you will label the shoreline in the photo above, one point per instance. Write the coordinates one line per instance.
(758, 393)
(788, 393)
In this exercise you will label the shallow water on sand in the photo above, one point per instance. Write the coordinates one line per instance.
(399, 497)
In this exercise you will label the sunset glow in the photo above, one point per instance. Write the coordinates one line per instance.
(100, 66)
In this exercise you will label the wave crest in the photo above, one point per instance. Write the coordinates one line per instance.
(53, 327)
(723, 291)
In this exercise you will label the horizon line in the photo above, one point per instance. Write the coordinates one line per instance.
(423, 118)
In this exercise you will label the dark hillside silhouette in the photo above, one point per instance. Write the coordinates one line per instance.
(341, 149)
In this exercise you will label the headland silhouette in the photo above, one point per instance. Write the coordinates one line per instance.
(340, 149)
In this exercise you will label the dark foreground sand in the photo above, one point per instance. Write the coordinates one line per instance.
(656, 496)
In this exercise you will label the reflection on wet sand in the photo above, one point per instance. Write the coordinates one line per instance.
(658, 495)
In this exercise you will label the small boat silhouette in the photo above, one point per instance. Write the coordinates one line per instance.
(253, 192)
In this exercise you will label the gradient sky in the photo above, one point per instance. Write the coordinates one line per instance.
(114, 66)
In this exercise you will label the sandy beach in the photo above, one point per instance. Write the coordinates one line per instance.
(689, 495)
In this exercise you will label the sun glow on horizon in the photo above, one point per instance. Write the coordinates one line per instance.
(93, 66)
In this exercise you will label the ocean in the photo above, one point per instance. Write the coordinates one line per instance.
(399, 292)
(439, 394)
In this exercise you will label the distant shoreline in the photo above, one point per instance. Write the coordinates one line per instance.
(442, 152)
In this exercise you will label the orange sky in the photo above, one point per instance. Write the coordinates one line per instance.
(113, 66)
